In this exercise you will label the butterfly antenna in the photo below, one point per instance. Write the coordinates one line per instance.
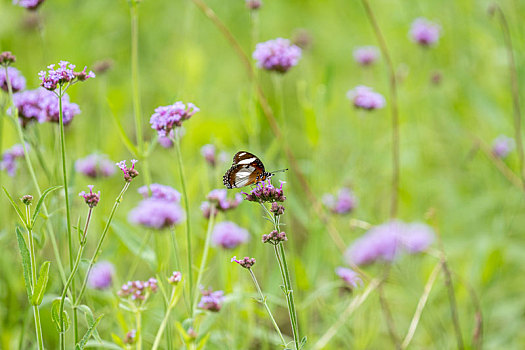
(279, 171)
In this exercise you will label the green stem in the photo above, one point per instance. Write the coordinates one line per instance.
(211, 221)
(135, 73)
(171, 305)
(263, 301)
(138, 317)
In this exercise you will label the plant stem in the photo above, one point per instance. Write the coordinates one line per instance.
(263, 301)
(138, 318)
(211, 221)
(386, 309)
(452, 301)
(171, 304)
(135, 73)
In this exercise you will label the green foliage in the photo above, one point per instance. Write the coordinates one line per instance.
(41, 284)
(26, 262)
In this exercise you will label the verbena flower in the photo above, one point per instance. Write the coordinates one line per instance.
(131, 337)
(366, 55)
(165, 141)
(90, 198)
(228, 235)
(28, 4)
(62, 75)
(208, 152)
(277, 209)
(219, 199)
(424, 32)
(175, 278)
(101, 275)
(7, 58)
(160, 192)
(166, 118)
(344, 203)
(129, 173)
(264, 191)
(246, 262)
(502, 146)
(277, 55)
(253, 4)
(155, 213)
(17, 80)
(211, 301)
(349, 276)
(365, 98)
(41, 105)
(138, 290)
(27, 199)
(9, 157)
(95, 166)
(385, 242)
(275, 237)
(102, 66)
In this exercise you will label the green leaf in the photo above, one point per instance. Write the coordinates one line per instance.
(90, 319)
(303, 342)
(55, 311)
(26, 264)
(41, 202)
(41, 284)
(127, 142)
(203, 341)
(17, 209)
(82, 343)
(118, 341)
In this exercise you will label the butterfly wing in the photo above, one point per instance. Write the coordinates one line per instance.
(247, 169)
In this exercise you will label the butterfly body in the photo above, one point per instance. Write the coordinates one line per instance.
(247, 169)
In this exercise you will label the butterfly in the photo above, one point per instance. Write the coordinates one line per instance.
(246, 170)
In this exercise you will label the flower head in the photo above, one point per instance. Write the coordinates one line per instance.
(9, 157)
(208, 152)
(264, 191)
(366, 55)
(27, 199)
(130, 337)
(95, 166)
(17, 80)
(246, 262)
(175, 278)
(138, 290)
(211, 301)
(228, 235)
(101, 275)
(218, 198)
(102, 66)
(277, 209)
(275, 237)
(28, 4)
(277, 55)
(129, 173)
(6, 58)
(156, 213)
(253, 4)
(349, 276)
(502, 146)
(344, 203)
(424, 32)
(160, 192)
(364, 97)
(62, 75)
(91, 198)
(166, 118)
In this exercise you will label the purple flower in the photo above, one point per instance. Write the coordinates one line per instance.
(155, 213)
(165, 141)
(228, 235)
(28, 4)
(211, 301)
(175, 278)
(219, 199)
(274, 237)
(6, 58)
(277, 55)
(160, 192)
(349, 276)
(277, 209)
(166, 118)
(129, 173)
(266, 192)
(91, 198)
(364, 97)
(246, 262)
(424, 32)
(208, 152)
(138, 290)
(343, 204)
(366, 55)
(17, 80)
(130, 337)
(416, 237)
(64, 74)
(94, 166)
(253, 4)
(101, 275)
(502, 146)
(41, 105)
(9, 157)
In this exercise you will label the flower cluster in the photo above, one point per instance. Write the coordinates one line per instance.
(424, 32)
(277, 55)
(138, 290)
(160, 192)
(101, 275)
(277, 209)
(246, 262)
(27, 199)
(95, 166)
(502, 146)
(218, 199)
(228, 235)
(16, 79)
(386, 241)
(175, 278)
(211, 301)
(209, 153)
(129, 173)
(166, 118)
(366, 55)
(6, 58)
(344, 203)
(349, 276)
(91, 198)
(364, 97)
(264, 191)
(64, 74)
(9, 157)
(41, 105)
(274, 237)
(253, 4)
(28, 4)
(130, 337)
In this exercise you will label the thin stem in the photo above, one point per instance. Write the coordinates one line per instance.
(188, 220)
(171, 304)
(393, 107)
(211, 221)
(502, 167)
(452, 301)
(138, 318)
(135, 73)
(386, 309)
(263, 301)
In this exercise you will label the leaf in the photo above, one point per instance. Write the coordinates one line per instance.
(41, 284)
(203, 341)
(182, 332)
(127, 142)
(82, 343)
(105, 345)
(55, 311)
(90, 319)
(303, 342)
(41, 202)
(26, 265)
(18, 211)
(117, 340)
